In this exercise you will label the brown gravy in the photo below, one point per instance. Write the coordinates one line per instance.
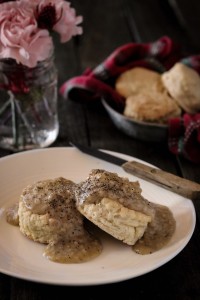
(12, 216)
(70, 241)
(80, 249)
(158, 232)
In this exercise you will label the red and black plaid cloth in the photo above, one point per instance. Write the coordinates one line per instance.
(160, 55)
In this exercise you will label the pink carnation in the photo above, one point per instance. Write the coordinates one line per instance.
(20, 37)
(25, 28)
(66, 21)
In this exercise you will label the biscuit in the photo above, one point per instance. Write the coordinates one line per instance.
(116, 205)
(40, 205)
(151, 107)
(48, 214)
(183, 84)
(122, 223)
(136, 80)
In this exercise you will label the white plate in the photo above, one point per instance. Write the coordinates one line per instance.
(22, 258)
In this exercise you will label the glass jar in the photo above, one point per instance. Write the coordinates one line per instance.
(28, 105)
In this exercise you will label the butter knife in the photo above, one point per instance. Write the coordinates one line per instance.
(174, 183)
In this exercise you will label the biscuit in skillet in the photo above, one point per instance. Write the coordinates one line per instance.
(151, 107)
(136, 80)
(183, 84)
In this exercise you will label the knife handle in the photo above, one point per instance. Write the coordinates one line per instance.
(176, 184)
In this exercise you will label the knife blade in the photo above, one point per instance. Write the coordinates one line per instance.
(174, 183)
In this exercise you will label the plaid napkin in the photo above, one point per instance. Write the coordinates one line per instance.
(99, 82)
(184, 132)
(160, 55)
(184, 136)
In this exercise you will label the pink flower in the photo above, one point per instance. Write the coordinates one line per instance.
(59, 16)
(25, 27)
(20, 37)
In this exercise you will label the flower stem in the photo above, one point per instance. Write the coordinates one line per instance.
(4, 107)
(14, 120)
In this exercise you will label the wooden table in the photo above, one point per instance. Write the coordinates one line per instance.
(108, 24)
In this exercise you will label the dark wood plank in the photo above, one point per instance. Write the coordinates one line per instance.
(152, 19)
(105, 28)
(188, 18)
(4, 287)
